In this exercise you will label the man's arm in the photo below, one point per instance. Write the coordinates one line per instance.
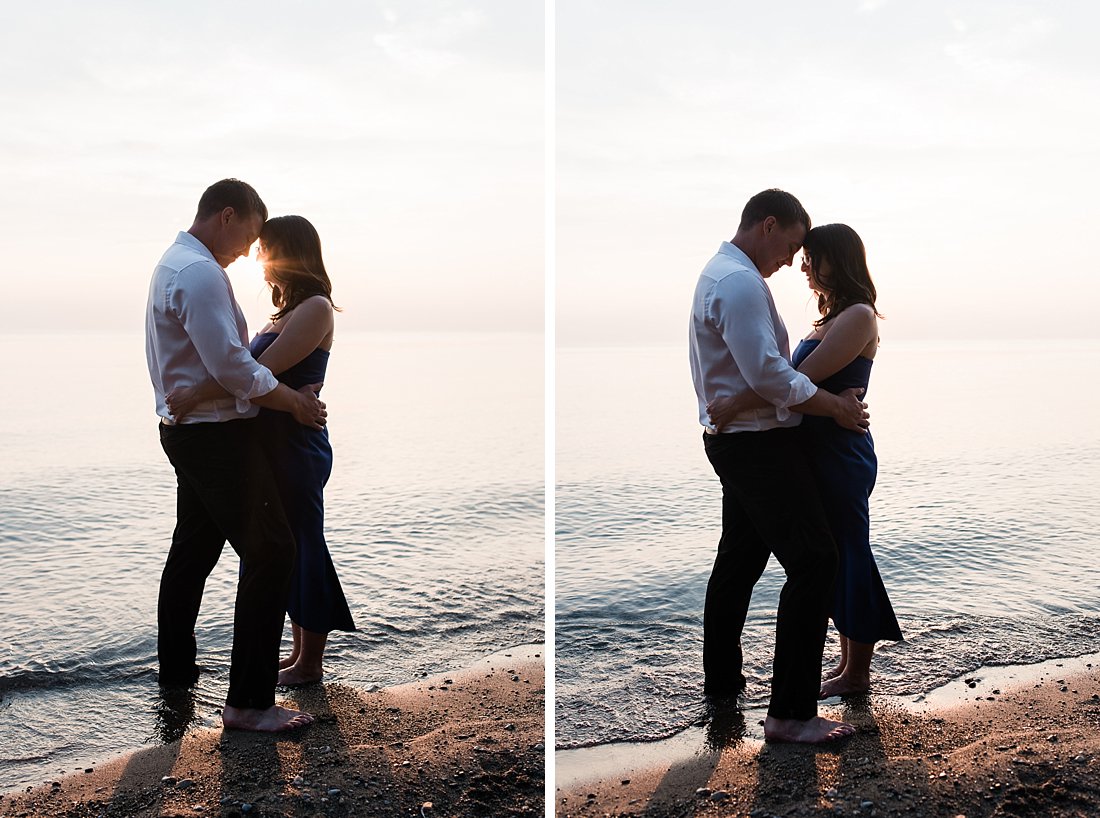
(846, 408)
(302, 333)
(202, 302)
(303, 404)
(852, 330)
(740, 309)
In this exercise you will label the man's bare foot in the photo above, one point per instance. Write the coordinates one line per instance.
(844, 686)
(288, 661)
(296, 676)
(812, 731)
(275, 719)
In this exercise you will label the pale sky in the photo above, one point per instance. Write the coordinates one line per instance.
(411, 133)
(960, 139)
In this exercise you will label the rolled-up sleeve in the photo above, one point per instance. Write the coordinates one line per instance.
(204, 305)
(740, 310)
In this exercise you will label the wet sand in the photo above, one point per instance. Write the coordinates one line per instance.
(461, 744)
(1019, 741)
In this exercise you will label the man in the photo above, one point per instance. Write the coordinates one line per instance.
(770, 503)
(224, 490)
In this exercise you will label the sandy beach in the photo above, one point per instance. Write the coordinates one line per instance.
(468, 743)
(1022, 741)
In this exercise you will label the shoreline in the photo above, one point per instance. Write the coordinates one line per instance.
(1016, 740)
(466, 742)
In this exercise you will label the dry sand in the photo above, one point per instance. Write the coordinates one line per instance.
(1001, 742)
(462, 744)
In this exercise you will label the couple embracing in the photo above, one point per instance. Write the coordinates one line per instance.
(789, 442)
(245, 432)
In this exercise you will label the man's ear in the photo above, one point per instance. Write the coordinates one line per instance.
(228, 213)
(769, 224)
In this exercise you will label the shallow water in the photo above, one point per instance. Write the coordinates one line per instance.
(983, 526)
(434, 520)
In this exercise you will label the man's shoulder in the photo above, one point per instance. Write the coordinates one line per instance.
(725, 274)
(184, 263)
(186, 252)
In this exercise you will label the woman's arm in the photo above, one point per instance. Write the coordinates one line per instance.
(851, 332)
(849, 335)
(302, 332)
(724, 410)
(182, 401)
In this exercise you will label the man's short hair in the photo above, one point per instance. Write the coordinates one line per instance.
(774, 202)
(234, 193)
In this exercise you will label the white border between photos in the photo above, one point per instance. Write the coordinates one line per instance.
(549, 377)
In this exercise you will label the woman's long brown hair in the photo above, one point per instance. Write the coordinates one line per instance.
(849, 279)
(292, 252)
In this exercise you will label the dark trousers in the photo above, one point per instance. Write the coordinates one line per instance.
(770, 505)
(225, 491)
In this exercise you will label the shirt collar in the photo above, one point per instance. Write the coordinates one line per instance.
(187, 240)
(736, 253)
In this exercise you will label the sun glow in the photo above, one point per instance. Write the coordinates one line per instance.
(247, 268)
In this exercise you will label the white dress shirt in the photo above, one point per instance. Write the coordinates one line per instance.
(739, 342)
(194, 330)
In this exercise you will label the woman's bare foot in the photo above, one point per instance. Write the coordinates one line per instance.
(812, 731)
(844, 685)
(274, 719)
(298, 675)
(832, 674)
(295, 650)
(308, 656)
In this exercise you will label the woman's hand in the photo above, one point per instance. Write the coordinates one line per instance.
(182, 401)
(722, 411)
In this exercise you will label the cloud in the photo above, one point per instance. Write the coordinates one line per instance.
(1000, 50)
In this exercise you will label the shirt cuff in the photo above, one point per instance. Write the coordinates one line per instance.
(263, 382)
(802, 389)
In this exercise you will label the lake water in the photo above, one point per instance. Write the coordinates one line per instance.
(984, 525)
(434, 521)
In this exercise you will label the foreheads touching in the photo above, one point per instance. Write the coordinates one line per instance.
(229, 218)
(784, 207)
(232, 194)
(773, 225)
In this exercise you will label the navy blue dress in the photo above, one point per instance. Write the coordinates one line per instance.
(845, 467)
(301, 459)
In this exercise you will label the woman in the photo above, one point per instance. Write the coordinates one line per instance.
(295, 347)
(837, 355)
